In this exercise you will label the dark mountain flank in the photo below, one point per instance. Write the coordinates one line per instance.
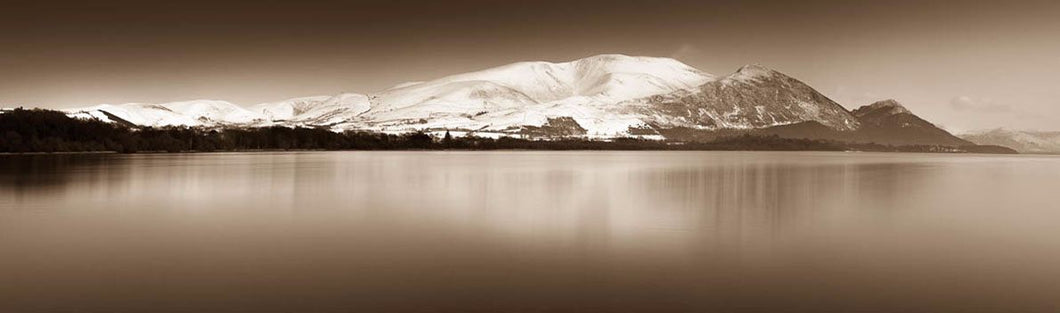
(888, 122)
(885, 122)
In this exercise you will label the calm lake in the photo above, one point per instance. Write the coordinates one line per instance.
(530, 232)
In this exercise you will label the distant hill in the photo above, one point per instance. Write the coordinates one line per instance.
(1022, 141)
(888, 122)
(885, 122)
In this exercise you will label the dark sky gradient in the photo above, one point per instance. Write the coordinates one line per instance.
(965, 65)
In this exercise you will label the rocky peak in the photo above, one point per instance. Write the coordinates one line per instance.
(752, 72)
(884, 107)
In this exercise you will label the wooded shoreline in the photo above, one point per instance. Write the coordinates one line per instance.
(46, 131)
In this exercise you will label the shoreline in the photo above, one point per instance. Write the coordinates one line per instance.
(499, 149)
(44, 132)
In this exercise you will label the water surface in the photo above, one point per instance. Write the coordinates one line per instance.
(529, 232)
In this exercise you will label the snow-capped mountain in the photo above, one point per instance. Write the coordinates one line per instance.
(604, 96)
(182, 113)
(509, 98)
(1022, 141)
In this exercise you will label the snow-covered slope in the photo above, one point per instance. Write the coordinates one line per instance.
(314, 111)
(511, 97)
(609, 77)
(213, 111)
(183, 113)
(287, 109)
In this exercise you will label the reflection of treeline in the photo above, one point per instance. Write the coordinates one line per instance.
(51, 131)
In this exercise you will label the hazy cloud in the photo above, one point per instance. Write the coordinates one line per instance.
(966, 103)
(685, 52)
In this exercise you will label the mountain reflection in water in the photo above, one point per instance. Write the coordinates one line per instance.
(529, 231)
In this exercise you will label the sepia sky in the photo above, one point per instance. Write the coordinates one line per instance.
(962, 64)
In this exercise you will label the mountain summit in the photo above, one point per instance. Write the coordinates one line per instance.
(508, 98)
(752, 72)
(881, 108)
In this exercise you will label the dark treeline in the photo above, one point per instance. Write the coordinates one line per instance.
(51, 131)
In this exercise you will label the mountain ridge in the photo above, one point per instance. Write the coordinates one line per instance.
(598, 97)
